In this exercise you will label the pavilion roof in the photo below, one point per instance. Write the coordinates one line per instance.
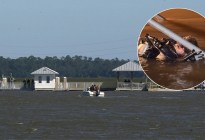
(129, 66)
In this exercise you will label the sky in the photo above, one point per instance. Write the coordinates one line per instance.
(94, 28)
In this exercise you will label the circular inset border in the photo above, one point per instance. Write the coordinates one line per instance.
(143, 67)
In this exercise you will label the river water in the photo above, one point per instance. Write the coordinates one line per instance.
(119, 115)
(177, 75)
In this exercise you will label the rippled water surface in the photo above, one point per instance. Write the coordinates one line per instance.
(175, 75)
(119, 115)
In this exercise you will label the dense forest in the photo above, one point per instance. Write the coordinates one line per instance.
(76, 66)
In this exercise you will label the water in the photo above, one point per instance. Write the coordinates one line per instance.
(175, 75)
(119, 115)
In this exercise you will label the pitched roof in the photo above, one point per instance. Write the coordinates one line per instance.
(44, 70)
(129, 66)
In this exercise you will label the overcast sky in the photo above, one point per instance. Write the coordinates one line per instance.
(93, 28)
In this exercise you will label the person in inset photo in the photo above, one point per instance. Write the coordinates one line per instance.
(166, 49)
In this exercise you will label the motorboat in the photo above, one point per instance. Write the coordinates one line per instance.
(93, 93)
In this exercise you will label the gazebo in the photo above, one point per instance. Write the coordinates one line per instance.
(128, 85)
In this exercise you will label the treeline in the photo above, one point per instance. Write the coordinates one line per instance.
(76, 66)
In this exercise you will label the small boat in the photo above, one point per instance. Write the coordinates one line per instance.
(93, 93)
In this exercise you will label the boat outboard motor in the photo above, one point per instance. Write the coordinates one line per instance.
(97, 93)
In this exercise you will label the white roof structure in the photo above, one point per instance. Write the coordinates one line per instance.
(44, 70)
(129, 66)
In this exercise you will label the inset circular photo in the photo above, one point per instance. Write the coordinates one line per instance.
(171, 48)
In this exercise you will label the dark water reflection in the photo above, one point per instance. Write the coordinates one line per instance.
(175, 75)
(120, 115)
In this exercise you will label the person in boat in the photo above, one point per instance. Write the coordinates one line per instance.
(166, 49)
(94, 88)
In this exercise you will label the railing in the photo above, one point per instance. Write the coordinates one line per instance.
(76, 85)
(129, 86)
(134, 86)
(61, 86)
(11, 85)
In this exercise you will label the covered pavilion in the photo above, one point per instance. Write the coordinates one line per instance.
(128, 85)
